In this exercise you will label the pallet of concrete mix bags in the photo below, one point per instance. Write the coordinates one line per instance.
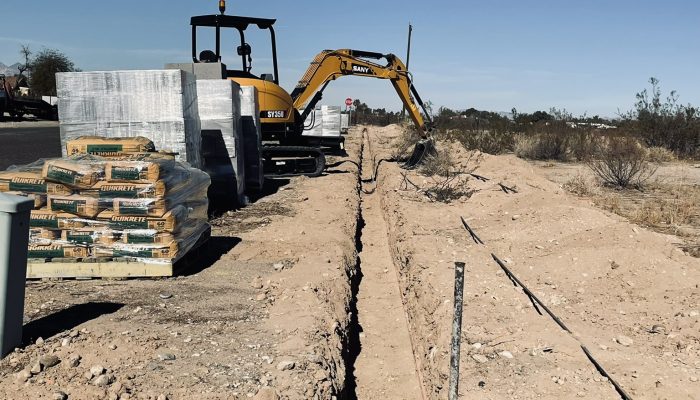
(129, 215)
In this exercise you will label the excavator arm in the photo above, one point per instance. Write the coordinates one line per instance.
(332, 64)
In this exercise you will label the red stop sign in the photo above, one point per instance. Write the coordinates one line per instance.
(348, 102)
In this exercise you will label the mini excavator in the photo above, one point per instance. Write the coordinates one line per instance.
(286, 151)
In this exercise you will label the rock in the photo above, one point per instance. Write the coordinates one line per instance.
(59, 395)
(285, 365)
(506, 354)
(66, 342)
(694, 313)
(693, 378)
(477, 345)
(36, 368)
(515, 217)
(103, 380)
(480, 358)
(266, 393)
(256, 283)
(624, 340)
(165, 296)
(23, 376)
(278, 266)
(538, 247)
(657, 329)
(73, 361)
(40, 341)
(261, 297)
(97, 370)
(112, 346)
(614, 265)
(49, 360)
(166, 356)
(162, 397)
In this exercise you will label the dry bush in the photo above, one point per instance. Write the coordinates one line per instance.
(660, 154)
(582, 185)
(440, 163)
(542, 146)
(622, 162)
(671, 205)
(491, 142)
(448, 189)
(583, 144)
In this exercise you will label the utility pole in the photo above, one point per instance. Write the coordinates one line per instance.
(408, 59)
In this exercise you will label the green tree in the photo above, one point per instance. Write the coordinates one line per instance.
(43, 69)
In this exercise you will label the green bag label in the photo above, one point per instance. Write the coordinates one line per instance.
(134, 238)
(70, 206)
(119, 191)
(29, 185)
(80, 237)
(124, 222)
(45, 252)
(62, 175)
(104, 149)
(141, 253)
(126, 173)
(132, 207)
(43, 221)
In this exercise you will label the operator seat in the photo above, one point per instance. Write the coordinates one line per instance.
(208, 56)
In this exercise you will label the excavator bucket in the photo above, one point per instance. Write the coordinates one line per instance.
(423, 149)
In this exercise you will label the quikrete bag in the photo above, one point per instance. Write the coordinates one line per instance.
(79, 205)
(140, 168)
(167, 223)
(109, 147)
(39, 235)
(81, 174)
(147, 236)
(168, 252)
(88, 236)
(29, 182)
(52, 220)
(111, 190)
(56, 251)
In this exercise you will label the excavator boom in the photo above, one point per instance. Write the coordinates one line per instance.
(332, 64)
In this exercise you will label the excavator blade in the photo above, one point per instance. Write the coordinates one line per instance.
(423, 149)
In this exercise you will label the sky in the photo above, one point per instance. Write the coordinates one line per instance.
(587, 57)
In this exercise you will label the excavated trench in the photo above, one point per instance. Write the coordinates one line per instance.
(378, 354)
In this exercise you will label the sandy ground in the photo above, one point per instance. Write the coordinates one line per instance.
(337, 287)
(265, 317)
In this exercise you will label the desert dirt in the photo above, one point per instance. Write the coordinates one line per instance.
(341, 287)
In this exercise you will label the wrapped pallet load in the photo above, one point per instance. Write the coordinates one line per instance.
(160, 105)
(252, 137)
(144, 206)
(219, 104)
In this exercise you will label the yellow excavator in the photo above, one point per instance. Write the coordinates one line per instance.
(286, 150)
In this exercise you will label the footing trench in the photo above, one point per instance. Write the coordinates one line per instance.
(380, 358)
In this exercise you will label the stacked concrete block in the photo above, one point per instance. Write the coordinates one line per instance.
(252, 137)
(323, 122)
(219, 103)
(157, 104)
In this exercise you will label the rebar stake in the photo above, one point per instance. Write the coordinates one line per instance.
(456, 331)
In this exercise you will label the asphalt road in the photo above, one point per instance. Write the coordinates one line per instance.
(23, 145)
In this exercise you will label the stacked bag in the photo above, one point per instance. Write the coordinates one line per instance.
(112, 197)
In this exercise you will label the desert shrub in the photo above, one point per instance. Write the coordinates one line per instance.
(439, 163)
(664, 122)
(622, 162)
(660, 154)
(582, 185)
(449, 188)
(583, 144)
(491, 142)
(542, 146)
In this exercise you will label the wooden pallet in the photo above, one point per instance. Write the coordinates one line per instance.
(105, 267)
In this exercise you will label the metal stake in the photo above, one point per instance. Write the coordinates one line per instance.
(456, 331)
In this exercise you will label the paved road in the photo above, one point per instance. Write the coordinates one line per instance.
(23, 145)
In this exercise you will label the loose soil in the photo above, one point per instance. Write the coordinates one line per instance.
(337, 288)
